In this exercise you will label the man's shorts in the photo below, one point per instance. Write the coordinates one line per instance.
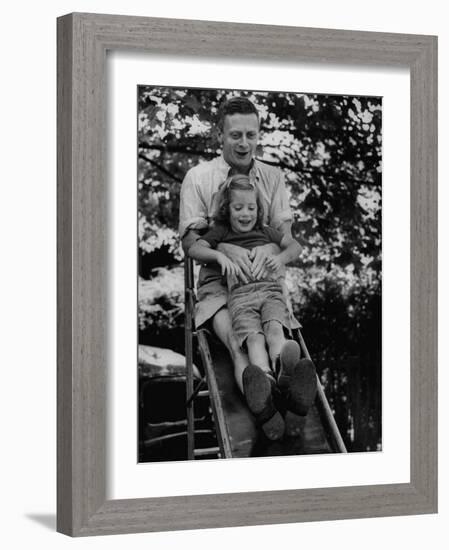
(211, 297)
(254, 304)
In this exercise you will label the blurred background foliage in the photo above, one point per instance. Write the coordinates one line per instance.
(329, 148)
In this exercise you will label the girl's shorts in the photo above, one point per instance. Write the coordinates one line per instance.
(254, 304)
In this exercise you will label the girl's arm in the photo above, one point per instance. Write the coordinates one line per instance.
(202, 251)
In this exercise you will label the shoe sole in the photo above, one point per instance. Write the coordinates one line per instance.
(290, 355)
(257, 390)
(294, 424)
(297, 379)
(303, 387)
(274, 428)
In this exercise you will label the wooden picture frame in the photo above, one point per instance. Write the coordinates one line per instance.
(83, 40)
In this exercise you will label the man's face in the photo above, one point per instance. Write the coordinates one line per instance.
(239, 140)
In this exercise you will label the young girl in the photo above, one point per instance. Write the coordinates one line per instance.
(258, 309)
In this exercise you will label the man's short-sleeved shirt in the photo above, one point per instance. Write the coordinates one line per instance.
(202, 184)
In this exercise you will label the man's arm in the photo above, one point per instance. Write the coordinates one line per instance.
(192, 211)
(261, 254)
(280, 218)
(238, 255)
(280, 213)
(290, 251)
(201, 250)
(189, 239)
(286, 228)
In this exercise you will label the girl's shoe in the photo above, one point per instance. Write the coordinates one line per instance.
(258, 394)
(296, 379)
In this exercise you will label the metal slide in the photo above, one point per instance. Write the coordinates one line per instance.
(236, 432)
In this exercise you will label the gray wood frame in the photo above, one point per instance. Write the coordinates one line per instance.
(83, 40)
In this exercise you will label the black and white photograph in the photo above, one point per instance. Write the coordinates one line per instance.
(222, 267)
(259, 273)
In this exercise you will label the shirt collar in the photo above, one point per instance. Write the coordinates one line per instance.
(226, 168)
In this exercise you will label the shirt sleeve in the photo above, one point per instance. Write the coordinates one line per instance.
(280, 211)
(192, 209)
(274, 235)
(214, 236)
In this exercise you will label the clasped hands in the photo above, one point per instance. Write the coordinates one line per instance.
(248, 265)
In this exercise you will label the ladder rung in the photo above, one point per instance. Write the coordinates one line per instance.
(206, 451)
(203, 393)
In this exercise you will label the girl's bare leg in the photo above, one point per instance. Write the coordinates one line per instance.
(257, 352)
(275, 337)
(223, 329)
(258, 381)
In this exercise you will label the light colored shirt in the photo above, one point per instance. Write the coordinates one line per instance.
(202, 183)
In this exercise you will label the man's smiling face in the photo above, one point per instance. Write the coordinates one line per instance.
(239, 139)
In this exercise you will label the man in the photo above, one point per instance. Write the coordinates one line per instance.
(238, 133)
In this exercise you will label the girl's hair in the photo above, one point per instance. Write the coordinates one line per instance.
(239, 182)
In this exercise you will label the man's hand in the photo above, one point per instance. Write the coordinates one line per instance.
(275, 263)
(259, 257)
(239, 256)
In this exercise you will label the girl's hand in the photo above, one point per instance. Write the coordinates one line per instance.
(228, 268)
(239, 257)
(275, 263)
(259, 256)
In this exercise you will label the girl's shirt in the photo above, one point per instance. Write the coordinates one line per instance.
(220, 233)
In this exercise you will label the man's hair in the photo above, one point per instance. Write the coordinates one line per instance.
(238, 182)
(236, 105)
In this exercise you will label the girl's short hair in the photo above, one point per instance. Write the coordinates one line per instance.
(238, 182)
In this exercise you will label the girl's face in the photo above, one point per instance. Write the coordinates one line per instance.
(243, 210)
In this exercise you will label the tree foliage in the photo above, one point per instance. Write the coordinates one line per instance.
(329, 148)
